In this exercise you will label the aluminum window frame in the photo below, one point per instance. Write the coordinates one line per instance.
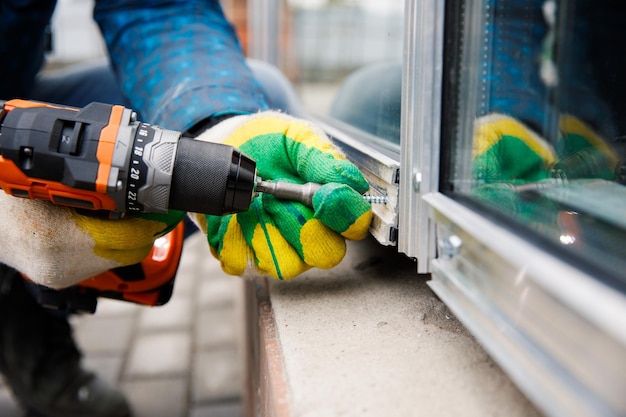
(502, 298)
(421, 126)
(480, 269)
(556, 329)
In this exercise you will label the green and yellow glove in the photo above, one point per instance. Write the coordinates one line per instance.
(57, 247)
(284, 238)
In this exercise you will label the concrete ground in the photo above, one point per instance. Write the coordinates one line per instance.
(176, 360)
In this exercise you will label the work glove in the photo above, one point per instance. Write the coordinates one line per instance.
(57, 247)
(285, 238)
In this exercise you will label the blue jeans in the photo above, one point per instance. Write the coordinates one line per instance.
(81, 84)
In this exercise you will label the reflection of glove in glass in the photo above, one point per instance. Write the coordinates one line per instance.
(57, 247)
(285, 238)
(505, 150)
(506, 154)
(582, 152)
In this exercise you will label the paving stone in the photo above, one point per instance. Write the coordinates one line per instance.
(216, 291)
(157, 397)
(195, 253)
(104, 334)
(216, 375)
(155, 354)
(215, 328)
(175, 314)
(229, 409)
(184, 284)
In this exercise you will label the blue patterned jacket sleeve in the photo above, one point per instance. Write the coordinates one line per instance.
(178, 62)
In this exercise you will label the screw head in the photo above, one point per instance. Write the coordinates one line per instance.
(449, 246)
(417, 181)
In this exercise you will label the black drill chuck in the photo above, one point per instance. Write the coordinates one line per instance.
(211, 178)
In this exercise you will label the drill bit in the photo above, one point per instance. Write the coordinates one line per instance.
(302, 192)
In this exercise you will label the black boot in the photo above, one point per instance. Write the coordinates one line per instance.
(40, 362)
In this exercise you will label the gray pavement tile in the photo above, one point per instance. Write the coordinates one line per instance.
(228, 409)
(216, 291)
(195, 252)
(215, 328)
(186, 276)
(216, 375)
(157, 397)
(175, 314)
(104, 334)
(185, 283)
(155, 354)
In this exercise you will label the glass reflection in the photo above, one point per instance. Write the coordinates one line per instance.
(347, 57)
(550, 128)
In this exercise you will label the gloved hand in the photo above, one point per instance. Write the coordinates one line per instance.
(57, 247)
(284, 238)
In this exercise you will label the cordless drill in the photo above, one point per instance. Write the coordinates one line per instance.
(100, 158)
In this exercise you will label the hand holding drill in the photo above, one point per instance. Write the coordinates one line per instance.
(101, 158)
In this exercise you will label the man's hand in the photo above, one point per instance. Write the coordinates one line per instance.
(57, 247)
(285, 238)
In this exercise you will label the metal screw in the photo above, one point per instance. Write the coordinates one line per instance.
(450, 246)
(376, 199)
(417, 181)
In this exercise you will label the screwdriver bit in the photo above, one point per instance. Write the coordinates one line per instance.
(302, 192)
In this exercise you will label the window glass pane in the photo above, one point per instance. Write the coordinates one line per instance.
(344, 59)
(537, 120)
